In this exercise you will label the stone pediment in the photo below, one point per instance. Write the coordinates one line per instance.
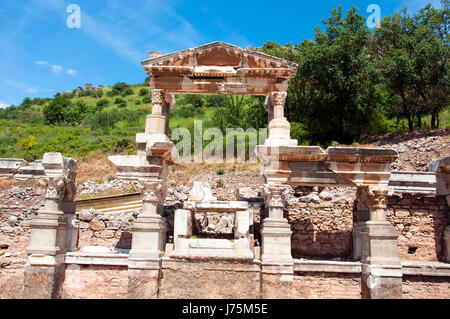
(219, 68)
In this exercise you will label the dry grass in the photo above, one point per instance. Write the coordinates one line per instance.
(95, 167)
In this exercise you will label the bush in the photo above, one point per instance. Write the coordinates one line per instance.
(119, 88)
(102, 104)
(187, 110)
(53, 112)
(147, 100)
(75, 112)
(127, 92)
(144, 92)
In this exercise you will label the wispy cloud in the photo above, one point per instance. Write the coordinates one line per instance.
(21, 86)
(56, 69)
(41, 62)
(71, 72)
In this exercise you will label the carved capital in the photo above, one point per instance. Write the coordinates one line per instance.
(278, 101)
(152, 192)
(374, 197)
(55, 187)
(274, 195)
(158, 96)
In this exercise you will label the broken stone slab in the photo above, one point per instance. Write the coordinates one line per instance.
(133, 167)
(35, 170)
(216, 206)
(248, 194)
(10, 166)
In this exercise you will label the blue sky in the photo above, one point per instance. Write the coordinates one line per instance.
(40, 55)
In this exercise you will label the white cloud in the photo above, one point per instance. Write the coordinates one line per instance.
(3, 105)
(56, 69)
(71, 72)
(41, 62)
(31, 90)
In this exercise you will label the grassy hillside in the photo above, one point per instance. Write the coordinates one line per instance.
(107, 122)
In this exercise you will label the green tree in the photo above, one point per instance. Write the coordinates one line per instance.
(74, 112)
(53, 112)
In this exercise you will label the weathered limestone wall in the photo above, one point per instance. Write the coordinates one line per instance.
(314, 285)
(420, 223)
(425, 287)
(208, 280)
(95, 282)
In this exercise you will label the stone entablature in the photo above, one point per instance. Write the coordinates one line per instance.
(219, 68)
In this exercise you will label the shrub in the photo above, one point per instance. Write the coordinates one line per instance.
(220, 171)
(119, 88)
(147, 100)
(53, 112)
(75, 112)
(102, 104)
(127, 92)
(144, 92)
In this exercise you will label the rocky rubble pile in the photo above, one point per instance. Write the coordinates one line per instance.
(416, 149)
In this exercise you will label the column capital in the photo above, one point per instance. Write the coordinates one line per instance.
(158, 96)
(274, 195)
(152, 191)
(375, 197)
(55, 187)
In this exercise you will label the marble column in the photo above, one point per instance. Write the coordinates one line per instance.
(52, 232)
(276, 256)
(279, 127)
(381, 266)
(157, 122)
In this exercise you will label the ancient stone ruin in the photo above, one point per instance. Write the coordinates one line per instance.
(179, 263)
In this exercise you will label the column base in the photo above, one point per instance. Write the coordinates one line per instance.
(148, 238)
(379, 244)
(276, 241)
(280, 133)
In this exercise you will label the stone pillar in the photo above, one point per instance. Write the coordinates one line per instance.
(52, 233)
(381, 266)
(157, 122)
(276, 256)
(279, 127)
(149, 233)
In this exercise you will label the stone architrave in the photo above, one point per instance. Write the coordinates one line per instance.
(52, 231)
(381, 266)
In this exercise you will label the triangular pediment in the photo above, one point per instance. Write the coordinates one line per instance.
(218, 54)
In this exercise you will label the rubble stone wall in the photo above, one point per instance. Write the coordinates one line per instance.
(321, 222)
(420, 223)
(425, 287)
